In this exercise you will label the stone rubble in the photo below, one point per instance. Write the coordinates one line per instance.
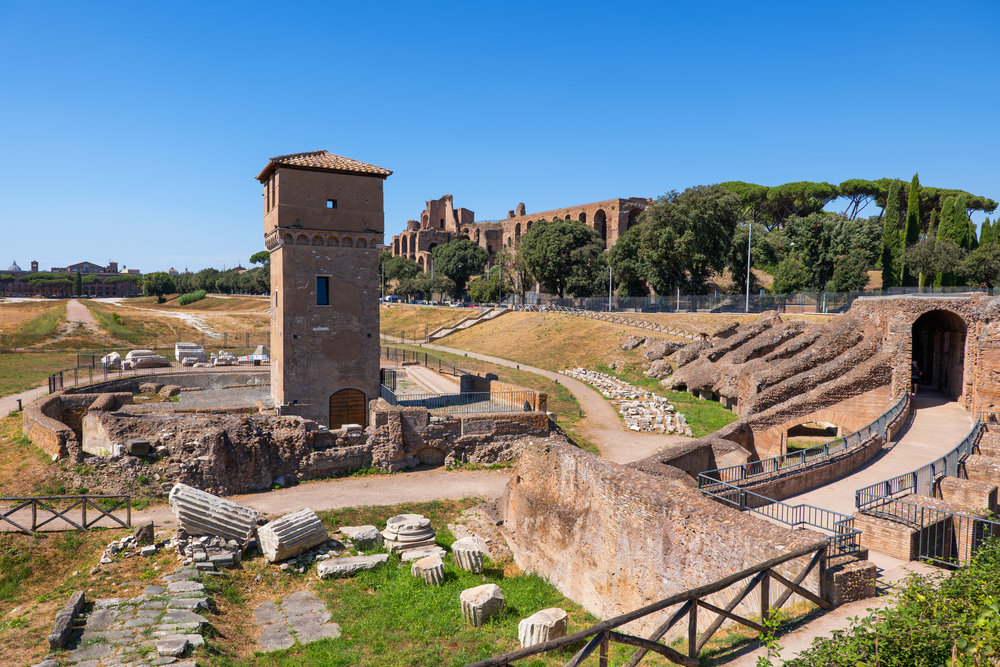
(481, 602)
(643, 411)
(201, 513)
(291, 535)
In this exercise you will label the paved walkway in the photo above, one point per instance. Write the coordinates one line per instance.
(601, 424)
(937, 426)
(434, 383)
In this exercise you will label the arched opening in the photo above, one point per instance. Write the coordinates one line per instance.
(528, 226)
(517, 233)
(939, 350)
(811, 434)
(317, 240)
(302, 239)
(347, 406)
(395, 246)
(288, 239)
(601, 224)
(424, 220)
(348, 243)
(421, 263)
(335, 242)
(582, 217)
(405, 245)
(633, 218)
(362, 243)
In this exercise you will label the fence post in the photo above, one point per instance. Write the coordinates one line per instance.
(693, 630)
(765, 597)
(84, 513)
(34, 515)
(604, 650)
(822, 572)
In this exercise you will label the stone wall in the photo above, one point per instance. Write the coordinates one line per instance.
(614, 539)
(42, 425)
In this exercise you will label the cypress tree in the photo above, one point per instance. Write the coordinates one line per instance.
(947, 229)
(961, 222)
(78, 284)
(912, 234)
(892, 240)
(986, 233)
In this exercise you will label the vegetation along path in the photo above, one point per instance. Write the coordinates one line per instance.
(601, 424)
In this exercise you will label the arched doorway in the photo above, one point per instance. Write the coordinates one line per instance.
(601, 224)
(347, 406)
(939, 350)
(582, 218)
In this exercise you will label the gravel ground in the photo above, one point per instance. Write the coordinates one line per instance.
(237, 397)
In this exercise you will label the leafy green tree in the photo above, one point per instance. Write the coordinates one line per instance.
(982, 265)
(459, 260)
(912, 229)
(892, 241)
(78, 284)
(561, 254)
(262, 257)
(5, 280)
(851, 272)
(157, 284)
(401, 268)
(485, 290)
(860, 193)
(630, 274)
(426, 286)
(791, 277)
(932, 255)
(684, 238)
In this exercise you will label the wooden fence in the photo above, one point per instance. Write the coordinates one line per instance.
(45, 506)
(600, 636)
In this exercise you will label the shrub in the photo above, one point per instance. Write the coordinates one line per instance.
(191, 297)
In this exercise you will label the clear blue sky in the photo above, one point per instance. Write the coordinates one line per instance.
(133, 131)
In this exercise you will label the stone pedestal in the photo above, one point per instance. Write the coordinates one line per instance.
(542, 626)
(408, 531)
(291, 535)
(481, 602)
(469, 553)
(430, 569)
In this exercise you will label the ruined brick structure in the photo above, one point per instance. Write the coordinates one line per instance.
(441, 222)
(323, 223)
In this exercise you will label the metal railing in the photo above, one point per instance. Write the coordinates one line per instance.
(877, 498)
(47, 506)
(760, 577)
(950, 538)
(795, 462)
(465, 403)
(843, 537)
(399, 355)
(658, 327)
(71, 377)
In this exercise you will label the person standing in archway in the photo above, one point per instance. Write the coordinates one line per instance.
(915, 374)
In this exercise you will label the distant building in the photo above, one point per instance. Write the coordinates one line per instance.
(172, 272)
(56, 282)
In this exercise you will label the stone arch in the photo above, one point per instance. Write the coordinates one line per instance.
(362, 243)
(633, 218)
(333, 241)
(420, 261)
(582, 217)
(938, 339)
(517, 232)
(288, 239)
(403, 241)
(347, 242)
(430, 456)
(528, 226)
(770, 442)
(317, 240)
(302, 239)
(395, 246)
(424, 220)
(347, 406)
(601, 224)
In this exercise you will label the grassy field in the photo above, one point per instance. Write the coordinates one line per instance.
(24, 324)
(22, 371)
(219, 304)
(140, 328)
(402, 317)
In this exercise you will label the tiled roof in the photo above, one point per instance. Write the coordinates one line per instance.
(322, 160)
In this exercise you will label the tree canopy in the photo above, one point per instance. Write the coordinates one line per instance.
(564, 256)
(459, 260)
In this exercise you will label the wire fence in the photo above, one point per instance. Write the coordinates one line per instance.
(71, 377)
(803, 302)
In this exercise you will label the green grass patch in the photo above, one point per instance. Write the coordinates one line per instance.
(38, 329)
(22, 371)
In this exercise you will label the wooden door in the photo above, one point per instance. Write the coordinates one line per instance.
(347, 406)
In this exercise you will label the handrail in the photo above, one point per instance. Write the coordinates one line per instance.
(692, 600)
(875, 498)
(804, 458)
(463, 403)
(82, 501)
(843, 537)
(401, 354)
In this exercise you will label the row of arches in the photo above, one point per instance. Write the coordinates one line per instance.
(330, 241)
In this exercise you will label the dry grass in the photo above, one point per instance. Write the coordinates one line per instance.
(25, 324)
(22, 371)
(241, 304)
(141, 328)
(402, 317)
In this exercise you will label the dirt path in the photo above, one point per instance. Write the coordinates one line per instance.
(76, 312)
(601, 425)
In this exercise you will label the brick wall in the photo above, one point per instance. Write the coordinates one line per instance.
(42, 425)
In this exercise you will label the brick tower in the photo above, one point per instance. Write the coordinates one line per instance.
(323, 223)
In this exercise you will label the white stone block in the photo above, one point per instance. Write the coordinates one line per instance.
(291, 535)
(430, 569)
(481, 602)
(469, 553)
(542, 626)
